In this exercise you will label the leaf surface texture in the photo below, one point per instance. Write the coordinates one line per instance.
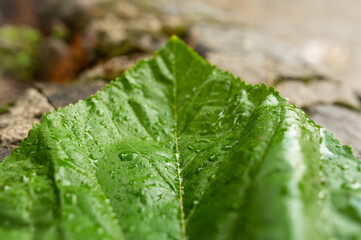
(179, 149)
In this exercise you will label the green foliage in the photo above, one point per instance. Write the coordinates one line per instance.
(4, 108)
(60, 31)
(178, 149)
(19, 47)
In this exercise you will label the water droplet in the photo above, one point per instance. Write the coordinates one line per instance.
(190, 147)
(203, 140)
(211, 177)
(221, 115)
(213, 158)
(70, 216)
(213, 127)
(118, 197)
(198, 170)
(161, 120)
(89, 136)
(25, 179)
(131, 182)
(195, 202)
(227, 147)
(127, 156)
(71, 198)
(93, 163)
(344, 166)
(100, 113)
(354, 185)
(38, 189)
(322, 194)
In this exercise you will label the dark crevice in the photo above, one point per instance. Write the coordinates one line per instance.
(41, 91)
(304, 79)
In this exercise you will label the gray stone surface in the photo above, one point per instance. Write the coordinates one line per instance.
(110, 69)
(259, 58)
(61, 95)
(252, 69)
(304, 94)
(28, 109)
(34, 102)
(118, 31)
(10, 89)
(343, 122)
(5, 151)
(194, 10)
(257, 68)
(325, 32)
(250, 54)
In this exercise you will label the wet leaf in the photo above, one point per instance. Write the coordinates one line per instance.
(179, 149)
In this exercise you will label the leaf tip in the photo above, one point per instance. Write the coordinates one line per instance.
(174, 38)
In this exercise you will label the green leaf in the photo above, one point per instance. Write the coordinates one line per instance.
(175, 149)
(19, 51)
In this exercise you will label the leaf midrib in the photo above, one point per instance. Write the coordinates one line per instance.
(175, 115)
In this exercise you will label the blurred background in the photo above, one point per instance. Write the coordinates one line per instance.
(54, 52)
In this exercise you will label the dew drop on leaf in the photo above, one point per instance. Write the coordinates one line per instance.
(127, 156)
(227, 147)
(213, 127)
(190, 147)
(213, 158)
(25, 179)
(355, 185)
(100, 112)
(204, 140)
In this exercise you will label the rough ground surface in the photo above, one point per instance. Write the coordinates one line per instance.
(61, 95)
(28, 109)
(10, 90)
(110, 69)
(308, 50)
(5, 151)
(33, 103)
